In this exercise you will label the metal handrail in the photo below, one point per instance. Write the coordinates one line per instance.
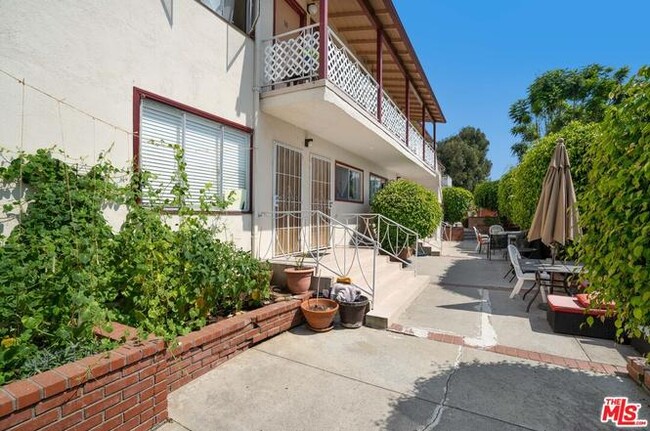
(350, 243)
(394, 247)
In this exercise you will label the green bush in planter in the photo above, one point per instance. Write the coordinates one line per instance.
(486, 195)
(456, 201)
(505, 193)
(410, 205)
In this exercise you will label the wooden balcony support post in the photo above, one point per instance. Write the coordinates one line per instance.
(380, 71)
(324, 39)
(435, 143)
(408, 108)
(424, 132)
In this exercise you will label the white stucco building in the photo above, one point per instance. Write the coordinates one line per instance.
(261, 105)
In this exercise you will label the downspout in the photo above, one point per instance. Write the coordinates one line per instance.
(256, 107)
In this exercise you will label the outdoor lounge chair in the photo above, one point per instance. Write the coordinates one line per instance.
(568, 315)
(512, 267)
(495, 228)
(522, 277)
(480, 240)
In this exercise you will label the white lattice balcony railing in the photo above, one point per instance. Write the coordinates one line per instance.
(430, 156)
(350, 76)
(294, 57)
(415, 141)
(392, 118)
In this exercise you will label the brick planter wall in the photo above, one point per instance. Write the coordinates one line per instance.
(457, 234)
(126, 388)
(203, 350)
(117, 390)
(639, 371)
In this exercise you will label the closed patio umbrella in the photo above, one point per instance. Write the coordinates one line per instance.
(556, 216)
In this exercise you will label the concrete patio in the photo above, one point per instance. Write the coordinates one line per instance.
(462, 356)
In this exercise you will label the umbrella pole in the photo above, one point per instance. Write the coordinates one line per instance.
(553, 252)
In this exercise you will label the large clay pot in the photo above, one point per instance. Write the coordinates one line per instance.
(352, 313)
(319, 313)
(298, 279)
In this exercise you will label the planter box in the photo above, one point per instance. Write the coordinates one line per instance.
(127, 388)
(457, 234)
(639, 371)
(641, 345)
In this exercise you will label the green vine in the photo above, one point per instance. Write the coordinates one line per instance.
(63, 271)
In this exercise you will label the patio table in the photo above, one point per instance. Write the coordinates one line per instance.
(563, 269)
(500, 240)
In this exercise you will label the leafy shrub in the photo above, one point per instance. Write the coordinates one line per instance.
(456, 201)
(63, 271)
(505, 194)
(409, 204)
(529, 175)
(55, 271)
(486, 195)
(615, 207)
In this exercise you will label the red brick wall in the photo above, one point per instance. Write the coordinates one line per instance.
(203, 350)
(116, 390)
(126, 388)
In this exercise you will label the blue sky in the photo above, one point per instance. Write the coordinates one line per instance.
(480, 56)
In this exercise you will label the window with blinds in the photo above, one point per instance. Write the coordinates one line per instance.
(214, 154)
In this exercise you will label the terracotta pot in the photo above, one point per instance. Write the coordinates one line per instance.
(298, 279)
(404, 254)
(319, 313)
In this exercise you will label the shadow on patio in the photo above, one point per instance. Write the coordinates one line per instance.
(485, 393)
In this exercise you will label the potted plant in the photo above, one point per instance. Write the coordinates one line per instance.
(353, 306)
(299, 276)
(319, 312)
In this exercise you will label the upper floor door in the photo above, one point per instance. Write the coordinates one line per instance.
(289, 15)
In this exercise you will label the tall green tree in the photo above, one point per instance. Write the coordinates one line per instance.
(561, 96)
(464, 156)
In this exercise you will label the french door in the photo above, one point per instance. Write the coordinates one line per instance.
(321, 200)
(287, 200)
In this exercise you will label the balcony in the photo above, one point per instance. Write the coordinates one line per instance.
(348, 107)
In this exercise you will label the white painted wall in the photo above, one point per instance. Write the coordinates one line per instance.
(90, 55)
(81, 59)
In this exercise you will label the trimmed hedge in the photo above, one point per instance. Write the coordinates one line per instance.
(504, 194)
(528, 176)
(409, 204)
(456, 202)
(486, 195)
(615, 207)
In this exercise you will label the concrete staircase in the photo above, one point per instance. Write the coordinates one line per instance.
(395, 287)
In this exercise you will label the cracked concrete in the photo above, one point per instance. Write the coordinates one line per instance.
(367, 379)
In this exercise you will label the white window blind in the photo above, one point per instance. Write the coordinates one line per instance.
(160, 125)
(214, 154)
(201, 147)
(235, 164)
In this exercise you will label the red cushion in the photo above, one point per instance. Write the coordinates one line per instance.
(569, 304)
(585, 300)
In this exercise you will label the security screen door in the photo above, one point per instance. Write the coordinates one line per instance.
(288, 192)
(321, 194)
